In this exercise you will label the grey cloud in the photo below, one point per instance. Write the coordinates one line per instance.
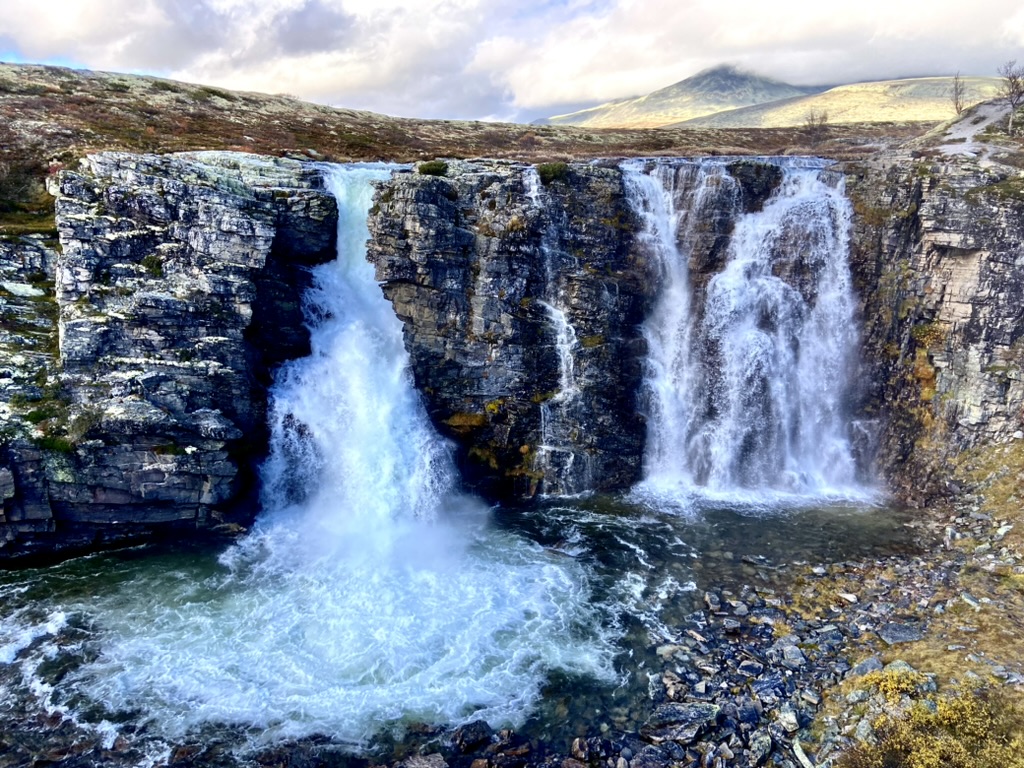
(194, 28)
(313, 28)
(440, 90)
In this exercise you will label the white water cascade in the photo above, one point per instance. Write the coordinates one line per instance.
(566, 469)
(747, 373)
(371, 594)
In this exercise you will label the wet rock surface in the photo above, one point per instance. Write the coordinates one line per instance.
(479, 264)
(175, 289)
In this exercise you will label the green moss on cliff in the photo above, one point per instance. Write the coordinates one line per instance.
(433, 168)
(552, 172)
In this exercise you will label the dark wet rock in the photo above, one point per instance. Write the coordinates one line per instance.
(780, 735)
(178, 288)
(680, 722)
(749, 711)
(434, 760)
(750, 668)
(757, 182)
(769, 687)
(739, 608)
(893, 633)
(793, 657)
(650, 757)
(472, 736)
(580, 749)
(477, 271)
(788, 719)
(731, 625)
(760, 747)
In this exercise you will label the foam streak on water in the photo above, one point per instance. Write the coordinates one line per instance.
(746, 388)
(371, 594)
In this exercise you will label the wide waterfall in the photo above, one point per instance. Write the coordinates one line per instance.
(371, 594)
(752, 340)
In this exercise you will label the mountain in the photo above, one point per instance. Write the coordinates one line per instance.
(713, 90)
(921, 99)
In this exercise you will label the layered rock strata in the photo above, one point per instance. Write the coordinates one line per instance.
(938, 256)
(483, 265)
(523, 292)
(137, 353)
(178, 289)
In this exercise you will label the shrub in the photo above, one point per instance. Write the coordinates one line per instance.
(58, 444)
(975, 729)
(433, 168)
(21, 173)
(550, 172)
(153, 265)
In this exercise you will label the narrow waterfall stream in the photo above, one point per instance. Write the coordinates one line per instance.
(748, 374)
(566, 469)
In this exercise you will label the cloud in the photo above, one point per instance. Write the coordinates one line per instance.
(313, 27)
(491, 58)
(639, 45)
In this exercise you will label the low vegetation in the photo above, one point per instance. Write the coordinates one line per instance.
(552, 172)
(57, 115)
(25, 208)
(433, 168)
(980, 728)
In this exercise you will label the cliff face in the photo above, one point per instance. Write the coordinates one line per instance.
(178, 287)
(137, 352)
(524, 292)
(938, 260)
(522, 300)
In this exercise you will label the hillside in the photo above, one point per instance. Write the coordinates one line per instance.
(922, 99)
(51, 117)
(708, 92)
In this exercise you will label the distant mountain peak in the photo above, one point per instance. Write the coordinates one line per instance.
(716, 89)
(726, 75)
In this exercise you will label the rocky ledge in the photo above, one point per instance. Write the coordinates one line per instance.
(139, 349)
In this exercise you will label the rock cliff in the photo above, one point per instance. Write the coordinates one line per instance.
(138, 349)
(937, 255)
(176, 289)
(522, 296)
(524, 291)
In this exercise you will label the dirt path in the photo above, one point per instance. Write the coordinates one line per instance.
(961, 138)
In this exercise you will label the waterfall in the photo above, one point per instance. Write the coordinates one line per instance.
(749, 359)
(348, 430)
(566, 468)
(371, 593)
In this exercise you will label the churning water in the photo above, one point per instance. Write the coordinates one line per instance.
(370, 595)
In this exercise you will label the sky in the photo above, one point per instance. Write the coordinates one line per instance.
(502, 59)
